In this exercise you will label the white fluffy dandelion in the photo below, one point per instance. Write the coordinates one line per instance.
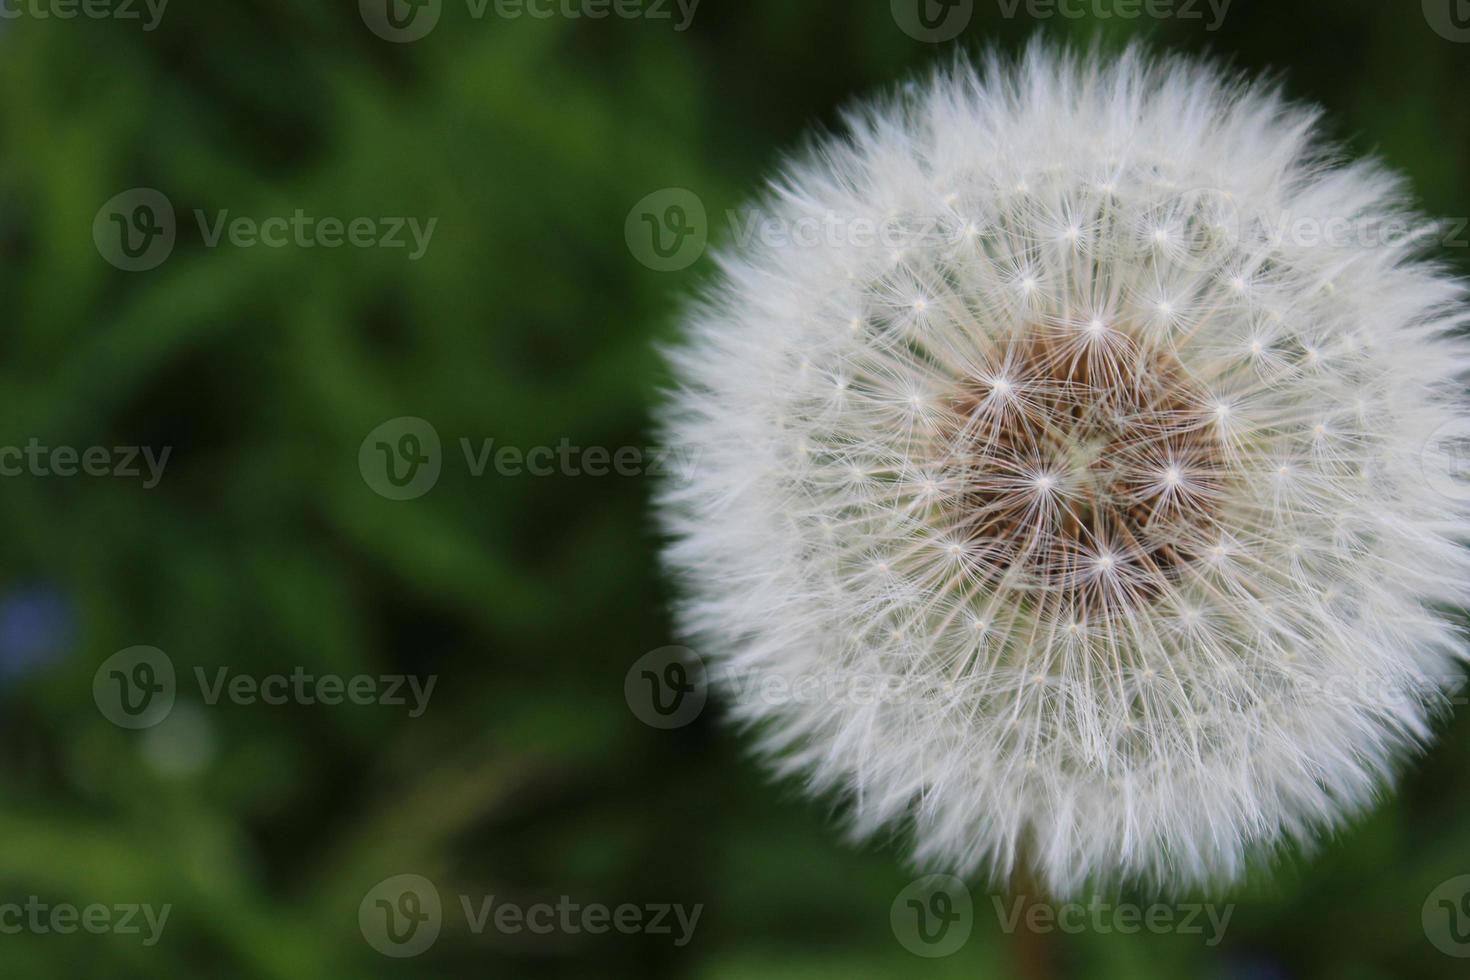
(1089, 435)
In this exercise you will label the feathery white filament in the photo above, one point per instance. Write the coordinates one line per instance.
(1112, 491)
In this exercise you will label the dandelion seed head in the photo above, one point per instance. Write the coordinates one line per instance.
(1112, 520)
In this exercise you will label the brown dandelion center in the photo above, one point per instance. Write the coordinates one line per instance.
(1092, 469)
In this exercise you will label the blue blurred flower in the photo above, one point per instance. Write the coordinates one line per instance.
(37, 625)
(1256, 965)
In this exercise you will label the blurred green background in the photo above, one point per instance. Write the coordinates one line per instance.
(528, 320)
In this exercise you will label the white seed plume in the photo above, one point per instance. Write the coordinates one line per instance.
(1062, 498)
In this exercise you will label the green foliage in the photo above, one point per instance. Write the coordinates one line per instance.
(527, 321)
